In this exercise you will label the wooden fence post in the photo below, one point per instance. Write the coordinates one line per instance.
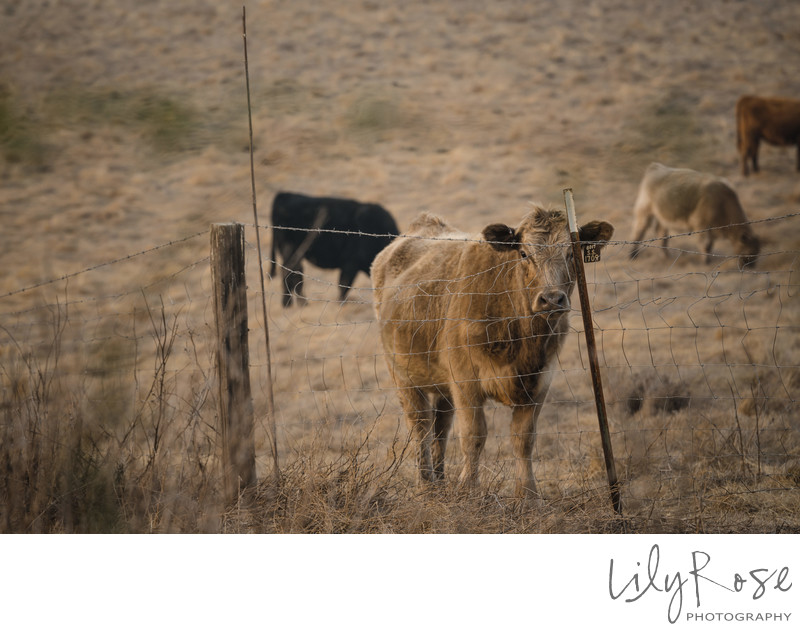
(233, 357)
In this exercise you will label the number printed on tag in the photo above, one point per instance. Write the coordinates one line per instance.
(590, 253)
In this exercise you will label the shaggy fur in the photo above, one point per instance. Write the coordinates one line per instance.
(464, 319)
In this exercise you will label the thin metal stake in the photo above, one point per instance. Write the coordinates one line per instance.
(271, 426)
(591, 345)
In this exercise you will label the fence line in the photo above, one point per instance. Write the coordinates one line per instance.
(181, 240)
(700, 368)
(467, 239)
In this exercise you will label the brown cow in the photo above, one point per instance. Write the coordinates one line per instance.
(691, 200)
(776, 121)
(464, 319)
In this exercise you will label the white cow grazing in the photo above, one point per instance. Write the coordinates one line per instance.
(689, 200)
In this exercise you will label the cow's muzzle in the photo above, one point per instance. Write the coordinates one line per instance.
(551, 301)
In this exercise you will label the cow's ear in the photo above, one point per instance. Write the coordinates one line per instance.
(596, 231)
(501, 237)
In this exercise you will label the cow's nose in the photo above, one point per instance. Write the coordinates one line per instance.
(552, 300)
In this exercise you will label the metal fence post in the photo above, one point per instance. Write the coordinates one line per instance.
(591, 345)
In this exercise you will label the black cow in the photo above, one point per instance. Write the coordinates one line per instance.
(360, 231)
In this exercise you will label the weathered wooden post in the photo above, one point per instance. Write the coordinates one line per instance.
(233, 357)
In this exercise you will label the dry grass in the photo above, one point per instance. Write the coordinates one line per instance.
(125, 128)
(94, 439)
(123, 440)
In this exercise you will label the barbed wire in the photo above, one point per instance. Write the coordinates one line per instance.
(107, 297)
(465, 239)
(468, 239)
(102, 265)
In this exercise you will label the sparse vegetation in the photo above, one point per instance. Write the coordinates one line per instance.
(89, 446)
(20, 141)
(164, 122)
(374, 114)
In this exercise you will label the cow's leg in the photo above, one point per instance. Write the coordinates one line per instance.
(523, 437)
(293, 285)
(798, 156)
(287, 286)
(744, 156)
(752, 150)
(298, 284)
(471, 422)
(642, 220)
(442, 422)
(291, 272)
(420, 425)
(665, 236)
(749, 152)
(346, 278)
(708, 245)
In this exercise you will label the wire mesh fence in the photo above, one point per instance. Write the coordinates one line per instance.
(699, 366)
(109, 398)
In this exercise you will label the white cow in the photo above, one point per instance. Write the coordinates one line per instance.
(689, 200)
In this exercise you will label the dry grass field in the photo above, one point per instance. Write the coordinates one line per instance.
(124, 136)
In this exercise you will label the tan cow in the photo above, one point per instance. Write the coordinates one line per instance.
(776, 121)
(692, 201)
(465, 319)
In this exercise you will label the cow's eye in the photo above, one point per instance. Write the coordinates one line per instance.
(523, 254)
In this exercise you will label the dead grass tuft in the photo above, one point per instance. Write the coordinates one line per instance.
(20, 137)
(102, 446)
